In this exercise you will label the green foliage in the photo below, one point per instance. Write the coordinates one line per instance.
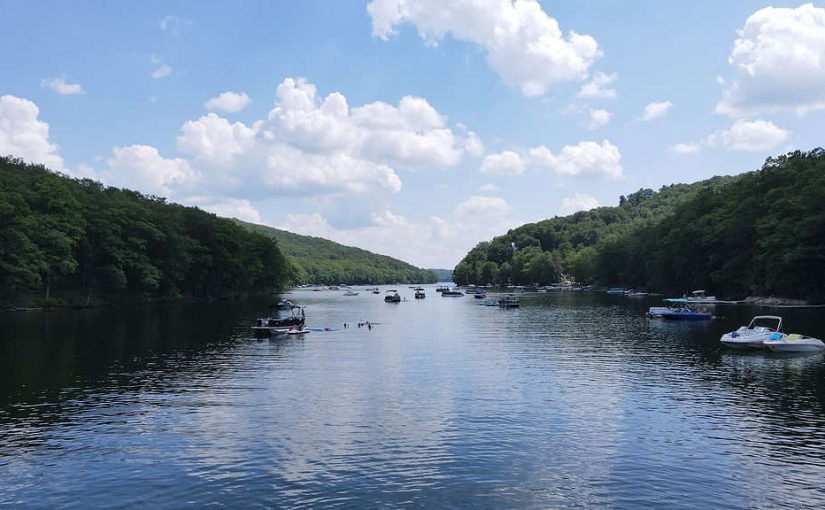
(320, 261)
(759, 233)
(78, 238)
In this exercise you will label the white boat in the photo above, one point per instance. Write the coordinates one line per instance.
(754, 335)
(794, 343)
(350, 292)
(700, 297)
(297, 331)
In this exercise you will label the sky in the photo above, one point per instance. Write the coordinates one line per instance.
(414, 129)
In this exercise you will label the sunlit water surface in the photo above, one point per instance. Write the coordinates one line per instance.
(573, 400)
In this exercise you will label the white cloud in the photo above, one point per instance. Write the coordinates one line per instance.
(599, 118)
(523, 44)
(436, 242)
(162, 71)
(745, 135)
(598, 86)
(578, 202)
(230, 102)
(60, 86)
(170, 24)
(778, 61)
(488, 188)
(228, 208)
(23, 135)
(656, 110)
(505, 163)
(586, 159)
(686, 148)
(213, 138)
(142, 167)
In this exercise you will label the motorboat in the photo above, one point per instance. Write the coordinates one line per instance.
(616, 290)
(350, 292)
(419, 293)
(375, 290)
(479, 294)
(752, 336)
(451, 293)
(700, 297)
(508, 301)
(297, 331)
(441, 288)
(277, 324)
(678, 309)
(392, 296)
(793, 343)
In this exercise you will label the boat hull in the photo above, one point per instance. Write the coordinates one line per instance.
(804, 345)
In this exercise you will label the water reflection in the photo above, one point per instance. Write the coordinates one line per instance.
(572, 400)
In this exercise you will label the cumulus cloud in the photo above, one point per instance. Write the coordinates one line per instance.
(578, 202)
(656, 110)
(585, 159)
(599, 118)
(318, 144)
(686, 148)
(778, 63)
(228, 207)
(230, 102)
(160, 72)
(523, 44)
(598, 87)
(505, 163)
(23, 135)
(435, 242)
(142, 167)
(745, 135)
(60, 86)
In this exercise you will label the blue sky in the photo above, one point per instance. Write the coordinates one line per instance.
(408, 128)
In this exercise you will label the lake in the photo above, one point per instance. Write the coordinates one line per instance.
(572, 400)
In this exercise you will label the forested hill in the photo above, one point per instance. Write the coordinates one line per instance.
(70, 241)
(317, 260)
(758, 233)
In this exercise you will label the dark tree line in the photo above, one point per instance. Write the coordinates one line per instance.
(77, 241)
(758, 233)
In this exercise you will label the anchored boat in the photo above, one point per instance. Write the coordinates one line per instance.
(753, 336)
(280, 324)
(794, 343)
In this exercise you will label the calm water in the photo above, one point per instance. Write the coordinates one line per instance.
(573, 400)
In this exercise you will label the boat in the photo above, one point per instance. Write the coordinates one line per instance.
(374, 290)
(616, 290)
(479, 294)
(488, 302)
(753, 335)
(276, 324)
(350, 292)
(451, 293)
(700, 297)
(678, 309)
(793, 343)
(297, 331)
(508, 301)
(441, 288)
(392, 296)
(419, 293)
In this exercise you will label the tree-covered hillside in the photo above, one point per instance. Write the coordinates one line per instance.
(758, 233)
(77, 241)
(317, 260)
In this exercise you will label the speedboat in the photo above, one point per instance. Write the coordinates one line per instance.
(794, 343)
(419, 293)
(350, 292)
(480, 294)
(753, 335)
(451, 293)
(392, 296)
(297, 331)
